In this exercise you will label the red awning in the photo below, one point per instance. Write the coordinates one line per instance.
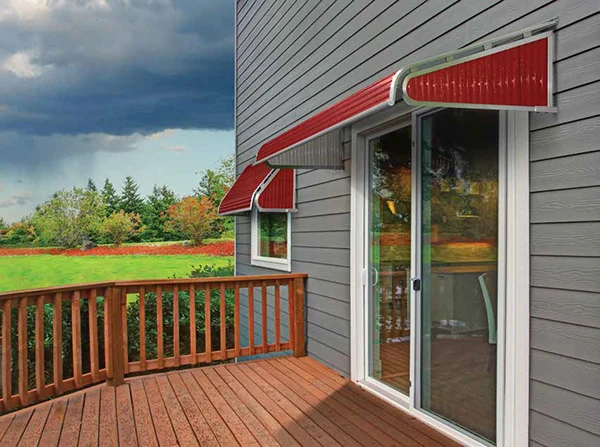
(513, 76)
(511, 72)
(272, 189)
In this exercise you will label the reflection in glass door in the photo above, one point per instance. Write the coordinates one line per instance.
(459, 167)
(389, 258)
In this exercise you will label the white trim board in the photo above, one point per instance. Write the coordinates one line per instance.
(513, 377)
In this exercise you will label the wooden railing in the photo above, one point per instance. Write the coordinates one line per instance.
(88, 328)
(395, 297)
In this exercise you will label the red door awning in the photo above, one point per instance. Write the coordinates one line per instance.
(511, 72)
(272, 189)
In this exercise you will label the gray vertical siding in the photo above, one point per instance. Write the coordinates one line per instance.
(296, 57)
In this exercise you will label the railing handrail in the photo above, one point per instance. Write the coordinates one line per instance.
(144, 282)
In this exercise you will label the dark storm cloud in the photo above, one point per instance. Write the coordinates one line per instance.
(114, 67)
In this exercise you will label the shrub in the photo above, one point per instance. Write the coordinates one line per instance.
(121, 226)
(192, 217)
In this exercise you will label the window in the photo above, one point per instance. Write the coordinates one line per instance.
(271, 240)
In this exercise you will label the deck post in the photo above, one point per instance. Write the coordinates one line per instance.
(299, 342)
(115, 328)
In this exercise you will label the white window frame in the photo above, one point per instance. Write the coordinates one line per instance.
(264, 261)
(513, 379)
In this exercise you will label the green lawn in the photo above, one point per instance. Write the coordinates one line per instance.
(30, 272)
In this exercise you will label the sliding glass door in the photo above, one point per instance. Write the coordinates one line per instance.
(389, 257)
(432, 240)
(459, 184)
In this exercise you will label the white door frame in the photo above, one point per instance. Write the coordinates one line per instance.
(513, 335)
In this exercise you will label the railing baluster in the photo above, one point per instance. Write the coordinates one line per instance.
(277, 317)
(115, 328)
(142, 306)
(299, 346)
(263, 303)
(123, 310)
(107, 339)
(159, 328)
(76, 337)
(292, 329)
(193, 347)
(176, 325)
(6, 354)
(207, 340)
(394, 307)
(222, 319)
(236, 319)
(251, 316)
(57, 343)
(93, 330)
(40, 381)
(22, 350)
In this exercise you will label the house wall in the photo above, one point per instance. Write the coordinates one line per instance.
(296, 57)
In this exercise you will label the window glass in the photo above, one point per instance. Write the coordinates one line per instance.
(272, 235)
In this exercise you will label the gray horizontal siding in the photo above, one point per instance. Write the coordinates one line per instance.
(297, 57)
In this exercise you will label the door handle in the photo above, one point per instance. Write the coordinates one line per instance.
(416, 284)
(376, 280)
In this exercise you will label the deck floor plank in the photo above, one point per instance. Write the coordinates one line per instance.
(141, 411)
(34, 429)
(108, 430)
(90, 420)
(72, 424)
(125, 418)
(54, 423)
(268, 402)
(16, 429)
(160, 417)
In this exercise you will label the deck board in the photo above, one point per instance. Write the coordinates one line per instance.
(268, 402)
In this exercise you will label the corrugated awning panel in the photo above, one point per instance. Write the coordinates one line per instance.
(278, 194)
(513, 78)
(323, 152)
(239, 198)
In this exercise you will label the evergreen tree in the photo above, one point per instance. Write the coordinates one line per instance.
(131, 202)
(156, 212)
(3, 224)
(111, 198)
(91, 186)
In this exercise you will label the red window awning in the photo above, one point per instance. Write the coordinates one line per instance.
(511, 72)
(272, 189)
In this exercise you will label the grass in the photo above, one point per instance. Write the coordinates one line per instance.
(30, 272)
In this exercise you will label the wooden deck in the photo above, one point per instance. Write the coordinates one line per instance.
(283, 401)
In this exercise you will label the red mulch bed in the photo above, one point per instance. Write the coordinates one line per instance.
(214, 249)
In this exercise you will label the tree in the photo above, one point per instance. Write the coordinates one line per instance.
(3, 224)
(131, 201)
(69, 217)
(110, 196)
(155, 214)
(91, 186)
(192, 217)
(121, 226)
(214, 185)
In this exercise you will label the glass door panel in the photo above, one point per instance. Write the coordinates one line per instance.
(459, 266)
(389, 257)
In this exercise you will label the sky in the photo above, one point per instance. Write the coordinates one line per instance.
(110, 88)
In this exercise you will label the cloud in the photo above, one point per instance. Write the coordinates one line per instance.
(21, 198)
(21, 66)
(116, 67)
